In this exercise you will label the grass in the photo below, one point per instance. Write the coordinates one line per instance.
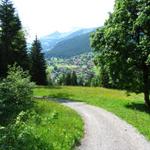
(131, 107)
(63, 127)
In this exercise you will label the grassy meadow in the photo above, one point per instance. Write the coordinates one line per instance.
(131, 107)
(63, 127)
(47, 125)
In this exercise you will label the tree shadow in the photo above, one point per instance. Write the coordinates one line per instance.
(60, 95)
(53, 87)
(49, 87)
(139, 107)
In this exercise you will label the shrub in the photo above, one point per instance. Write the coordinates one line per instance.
(15, 93)
(21, 135)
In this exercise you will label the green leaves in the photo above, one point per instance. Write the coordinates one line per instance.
(22, 135)
(123, 44)
(15, 93)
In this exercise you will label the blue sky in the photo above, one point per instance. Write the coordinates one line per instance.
(43, 17)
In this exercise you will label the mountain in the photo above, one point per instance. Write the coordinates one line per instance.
(66, 44)
(71, 47)
(79, 32)
(49, 41)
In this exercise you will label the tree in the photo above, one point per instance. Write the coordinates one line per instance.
(38, 64)
(80, 81)
(62, 79)
(12, 40)
(68, 80)
(74, 78)
(122, 46)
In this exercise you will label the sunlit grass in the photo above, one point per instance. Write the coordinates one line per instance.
(129, 107)
(64, 127)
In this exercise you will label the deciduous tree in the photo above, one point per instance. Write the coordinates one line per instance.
(122, 46)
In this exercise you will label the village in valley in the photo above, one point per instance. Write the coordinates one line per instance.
(82, 65)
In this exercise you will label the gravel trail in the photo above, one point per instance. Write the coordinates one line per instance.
(105, 131)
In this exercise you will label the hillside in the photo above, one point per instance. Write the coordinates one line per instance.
(49, 41)
(71, 47)
(66, 44)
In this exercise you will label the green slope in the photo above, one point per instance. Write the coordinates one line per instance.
(71, 47)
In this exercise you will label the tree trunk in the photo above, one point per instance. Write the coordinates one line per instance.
(146, 85)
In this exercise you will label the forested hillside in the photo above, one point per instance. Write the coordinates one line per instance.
(71, 47)
(50, 41)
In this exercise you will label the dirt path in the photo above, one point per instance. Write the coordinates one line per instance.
(105, 131)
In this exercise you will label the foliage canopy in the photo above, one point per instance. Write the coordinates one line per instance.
(12, 39)
(122, 46)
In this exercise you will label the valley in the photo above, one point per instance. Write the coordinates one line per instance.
(82, 65)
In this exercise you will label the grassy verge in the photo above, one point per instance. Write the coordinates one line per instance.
(65, 126)
(129, 107)
(47, 126)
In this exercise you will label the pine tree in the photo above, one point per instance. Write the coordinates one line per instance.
(74, 78)
(12, 40)
(68, 79)
(38, 64)
(80, 81)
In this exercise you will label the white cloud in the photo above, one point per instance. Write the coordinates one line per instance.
(42, 17)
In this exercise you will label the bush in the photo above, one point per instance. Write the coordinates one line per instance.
(22, 135)
(15, 93)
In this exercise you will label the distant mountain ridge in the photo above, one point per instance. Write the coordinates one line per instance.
(48, 42)
(67, 44)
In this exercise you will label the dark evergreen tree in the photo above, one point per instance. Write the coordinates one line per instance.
(21, 56)
(68, 80)
(12, 40)
(74, 78)
(38, 64)
(80, 81)
(62, 79)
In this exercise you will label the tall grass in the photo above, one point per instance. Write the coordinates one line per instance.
(65, 127)
(46, 126)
